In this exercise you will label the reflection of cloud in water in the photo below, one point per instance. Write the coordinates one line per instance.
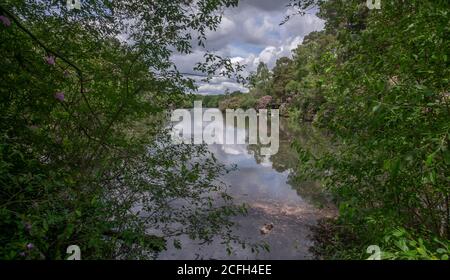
(266, 161)
(234, 150)
(264, 184)
(249, 183)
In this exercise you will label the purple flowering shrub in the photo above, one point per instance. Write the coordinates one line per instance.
(5, 20)
(264, 102)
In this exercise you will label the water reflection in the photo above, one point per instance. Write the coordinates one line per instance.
(266, 185)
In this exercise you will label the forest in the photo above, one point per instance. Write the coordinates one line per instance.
(379, 82)
(85, 156)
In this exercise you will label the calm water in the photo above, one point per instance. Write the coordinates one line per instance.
(266, 184)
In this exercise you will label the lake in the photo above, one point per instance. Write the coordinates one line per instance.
(267, 185)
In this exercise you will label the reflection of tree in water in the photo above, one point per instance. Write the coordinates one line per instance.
(287, 157)
(310, 191)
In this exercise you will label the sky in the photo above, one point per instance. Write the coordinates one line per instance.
(249, 34)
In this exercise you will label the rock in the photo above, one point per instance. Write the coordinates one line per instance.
(266, 228)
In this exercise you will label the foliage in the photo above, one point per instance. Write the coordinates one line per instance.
(386, 103)
(295, 84)
(260, 84)
(282, 72)
(399, 244)
(83, 156)
(238, 100)
(209, 101)
(264, 101)
(232, 100)
(261, 81)
(336, 240)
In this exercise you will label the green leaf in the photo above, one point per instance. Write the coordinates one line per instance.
(376, 108)
(429, 160)
(432, 176)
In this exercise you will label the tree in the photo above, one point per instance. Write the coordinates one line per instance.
(282, 73)
(389, 114)
(260, 81)
(84, 156)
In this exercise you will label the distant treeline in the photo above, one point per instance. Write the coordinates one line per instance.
(233, 100)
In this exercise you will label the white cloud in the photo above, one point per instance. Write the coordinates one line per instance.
(210, 88)
(249, 34)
